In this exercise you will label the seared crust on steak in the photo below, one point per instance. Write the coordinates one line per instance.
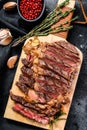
(46, 109)
(31, 114)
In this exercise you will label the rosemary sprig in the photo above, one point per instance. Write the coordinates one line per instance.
(56, 118)
(52, 31)
(50, 23)
(44, 28)
(58, 28)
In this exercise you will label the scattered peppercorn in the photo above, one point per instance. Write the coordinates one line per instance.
(30, 9)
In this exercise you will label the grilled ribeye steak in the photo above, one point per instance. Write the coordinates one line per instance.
(46, 79)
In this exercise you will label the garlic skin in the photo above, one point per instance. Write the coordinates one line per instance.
(5, 37)
(12, 61)
(8, 6)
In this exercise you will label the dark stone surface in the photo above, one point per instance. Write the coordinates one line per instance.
(77, 119)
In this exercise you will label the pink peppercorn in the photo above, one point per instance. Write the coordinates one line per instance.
(30, 9)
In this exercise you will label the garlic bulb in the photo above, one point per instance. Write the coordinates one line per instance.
(5, 37)
(9, 6)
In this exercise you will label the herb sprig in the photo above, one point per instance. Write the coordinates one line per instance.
(56, 118)
(45, 27)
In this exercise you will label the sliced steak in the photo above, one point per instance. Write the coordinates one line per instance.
(26, 62)
(23, 87)
(30, 114)
(46, 79)
(61, 69)
(55, 55)
(45, 109)
(67, 46)
(26, 80)
(27, 71)
(64, 52)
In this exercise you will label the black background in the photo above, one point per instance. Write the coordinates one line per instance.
(77, 119)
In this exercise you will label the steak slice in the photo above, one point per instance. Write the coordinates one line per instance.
(67, 46)
(26, 62)
(61, 69)
(30, 114)
(64, 52)
(55, 55)
(26, 80)
(23, 87)
(27, 71)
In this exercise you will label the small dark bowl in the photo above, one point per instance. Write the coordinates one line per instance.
(33, 20)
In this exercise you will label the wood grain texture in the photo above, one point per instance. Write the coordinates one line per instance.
(68, 18)
(10, 114)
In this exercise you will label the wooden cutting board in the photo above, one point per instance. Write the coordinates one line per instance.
(60, 124)
(10, 114)
(69, 17)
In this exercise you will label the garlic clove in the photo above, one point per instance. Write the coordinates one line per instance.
(12, 61)
(9, 6)
(5, 37)
(35, 42)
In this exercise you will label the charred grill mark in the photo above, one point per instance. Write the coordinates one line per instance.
(67, 46)
(53, 74)
(57, 65)
(27, 71)
(23, 87)
(26, 62)
(64, 52)
(53, 87)
(28, 81)
(55, 69)
(41, 109)
(57, 56)
(31, 114)
(27, 102)
(51, 94)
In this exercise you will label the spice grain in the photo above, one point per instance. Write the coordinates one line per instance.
(30, 9)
